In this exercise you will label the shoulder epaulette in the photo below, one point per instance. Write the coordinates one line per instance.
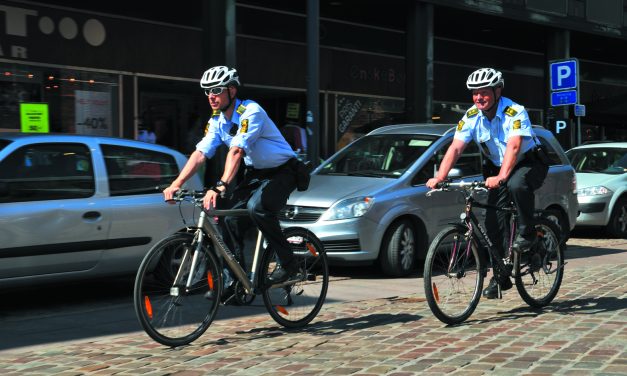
(240, 109)
(472, 112)
(509, 111)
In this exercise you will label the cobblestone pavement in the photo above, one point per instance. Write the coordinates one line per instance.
(583, 332)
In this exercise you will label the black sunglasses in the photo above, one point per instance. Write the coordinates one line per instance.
(215, 90)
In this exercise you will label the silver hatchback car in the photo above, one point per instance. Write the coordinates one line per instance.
(367, 202)
(602, 185)
(76, 207)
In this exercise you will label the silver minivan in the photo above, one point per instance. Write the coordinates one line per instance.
(367, 202)
(76, 207)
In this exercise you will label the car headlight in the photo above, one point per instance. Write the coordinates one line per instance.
(593, 191)
(349, 208)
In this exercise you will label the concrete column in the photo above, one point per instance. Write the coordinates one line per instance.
(218, 33)
(313, 81)
(419, 63)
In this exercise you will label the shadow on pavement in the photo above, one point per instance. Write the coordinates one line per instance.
(584, 306)
(327, 328)
(578, 251)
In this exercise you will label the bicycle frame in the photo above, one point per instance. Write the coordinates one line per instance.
(472, 223)
(210, 229)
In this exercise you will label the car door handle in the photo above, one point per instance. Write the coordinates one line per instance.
(92, 215)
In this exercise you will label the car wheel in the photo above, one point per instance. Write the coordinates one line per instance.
(617, 226)
(398, 250)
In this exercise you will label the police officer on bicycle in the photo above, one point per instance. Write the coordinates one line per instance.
(269, 162)
(514, 165)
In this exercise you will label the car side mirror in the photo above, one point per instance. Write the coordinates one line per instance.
(455, 173)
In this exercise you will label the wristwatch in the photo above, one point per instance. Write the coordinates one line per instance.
(220, 183)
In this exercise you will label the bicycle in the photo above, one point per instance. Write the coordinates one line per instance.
(179, 283)
(455, 265)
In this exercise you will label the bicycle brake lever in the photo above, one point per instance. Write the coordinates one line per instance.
(428, 194)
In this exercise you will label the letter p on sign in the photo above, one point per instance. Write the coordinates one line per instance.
(564, 75)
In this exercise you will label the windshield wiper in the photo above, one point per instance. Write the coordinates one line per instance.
(368, 174)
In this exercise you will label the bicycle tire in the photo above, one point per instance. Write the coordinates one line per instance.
(452, 279)
(295, 305)
(539, 274)
(168, 313)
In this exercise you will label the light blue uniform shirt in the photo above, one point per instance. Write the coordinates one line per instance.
(511, 119)
(263, 144)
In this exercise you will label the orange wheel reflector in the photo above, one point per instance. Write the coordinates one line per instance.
(148, 306)
(210, 280)
(436, 295)
(312, 250)
(281, 309)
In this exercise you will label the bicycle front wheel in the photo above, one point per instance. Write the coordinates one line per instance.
(171, 311)
(295, 303)
(540, 271)
(452, 275)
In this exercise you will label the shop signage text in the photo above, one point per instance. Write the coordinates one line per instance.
(17, 21)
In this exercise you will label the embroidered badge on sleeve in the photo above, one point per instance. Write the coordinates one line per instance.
(510, 111)
(244, 126)
(240, 109)
(516, 124)
(460, 125)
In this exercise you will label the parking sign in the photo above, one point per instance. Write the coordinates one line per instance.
(564, 75)
(563, 98)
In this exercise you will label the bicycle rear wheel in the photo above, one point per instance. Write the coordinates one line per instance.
(296, 304)
(539, 275)
(452, 276)
(170, 313)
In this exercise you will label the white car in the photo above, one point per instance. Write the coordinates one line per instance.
(602, 185)
(76, 207)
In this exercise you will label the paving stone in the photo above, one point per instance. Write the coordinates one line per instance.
(584, 332)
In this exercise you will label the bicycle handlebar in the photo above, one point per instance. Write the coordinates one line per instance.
(196, 197)
(468, 187)
(461, 184)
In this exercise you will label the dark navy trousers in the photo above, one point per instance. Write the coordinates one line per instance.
(263, 192)
(527, 176)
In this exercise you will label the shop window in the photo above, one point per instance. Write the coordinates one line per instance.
(356, 116)
(47, 172)
(78, 102)
(134, 171)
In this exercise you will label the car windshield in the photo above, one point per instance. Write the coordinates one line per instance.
(599, 160)
(4, 143)
(387, 155)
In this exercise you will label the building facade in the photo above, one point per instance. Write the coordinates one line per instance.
(119, 69)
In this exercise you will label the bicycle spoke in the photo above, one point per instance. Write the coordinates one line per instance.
(452, 277)
(170, 312)
(296, 303)
(540, 275)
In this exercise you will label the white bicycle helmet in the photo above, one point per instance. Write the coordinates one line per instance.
(485, 77)
(219, 76)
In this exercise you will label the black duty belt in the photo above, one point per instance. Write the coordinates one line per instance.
(272, 170)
